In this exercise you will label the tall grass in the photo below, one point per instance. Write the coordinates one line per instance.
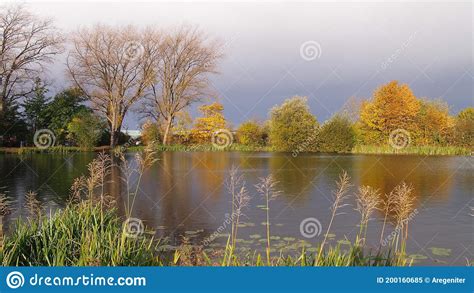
(413, 150)
(267, 189)
(80, 235)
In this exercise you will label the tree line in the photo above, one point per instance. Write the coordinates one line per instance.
(392, 113)
(160, 74)
(110, 68)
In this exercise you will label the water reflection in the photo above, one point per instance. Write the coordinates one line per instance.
(186, 191)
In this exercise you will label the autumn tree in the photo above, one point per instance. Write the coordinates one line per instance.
(336, 135)
(113, 66)
(252, 133)
(433, 122)
(187, 57)
(212, 119)
(392, 106)
(464, 127)
(27, 43)
(150, 133)
(292, 126)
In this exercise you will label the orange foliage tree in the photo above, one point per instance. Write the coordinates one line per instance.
(393, 106)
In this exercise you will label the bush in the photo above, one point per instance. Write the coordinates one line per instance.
(464, 128)
(85, 129)
(292, 126)
(151, 133)
(251, 133)
(336, 135)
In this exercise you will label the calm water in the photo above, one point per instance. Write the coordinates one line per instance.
(185, 194)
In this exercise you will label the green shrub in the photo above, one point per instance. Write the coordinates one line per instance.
(336, 135)
(251, 133)
(292, 126)
(85, 129)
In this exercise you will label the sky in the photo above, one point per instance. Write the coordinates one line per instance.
(326, 51)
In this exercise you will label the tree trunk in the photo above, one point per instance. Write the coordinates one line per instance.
(167, 130)
(112, 139)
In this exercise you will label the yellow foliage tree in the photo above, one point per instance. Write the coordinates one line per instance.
(212, 120)
(434, 122)
(393, 106)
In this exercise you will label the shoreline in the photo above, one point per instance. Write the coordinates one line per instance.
(357, 150)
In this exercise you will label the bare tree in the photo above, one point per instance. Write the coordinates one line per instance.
(113, 66)
(187, 57)
(26, 44)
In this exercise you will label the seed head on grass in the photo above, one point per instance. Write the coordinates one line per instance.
(268, 190)
(147, 158)
(235, 185)
(403, 208)
(367, 199)
(33, 205)
(404, 203)
(340, 194)
(4, 205)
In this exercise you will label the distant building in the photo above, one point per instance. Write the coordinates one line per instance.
(135, 134)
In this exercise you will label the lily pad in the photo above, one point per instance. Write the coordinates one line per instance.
(439, 251)
(289, 239)
(255, 236)
(417, 256)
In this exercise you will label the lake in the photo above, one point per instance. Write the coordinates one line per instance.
(184, 194)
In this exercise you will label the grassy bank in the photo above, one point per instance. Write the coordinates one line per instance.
(54, 150)
(413, 150)
(358, 149)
